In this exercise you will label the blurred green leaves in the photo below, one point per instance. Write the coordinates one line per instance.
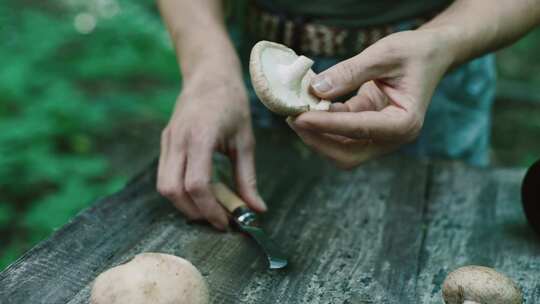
(521, 62)
(54, 210)
(6, 213)
(63, 94)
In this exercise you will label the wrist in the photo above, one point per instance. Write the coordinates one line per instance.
(213, 52)
(208, 76)
(204, 86)
(444, 46)
(454, 39)
(220, 67)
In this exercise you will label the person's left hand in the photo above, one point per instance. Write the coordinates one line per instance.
(395, 79)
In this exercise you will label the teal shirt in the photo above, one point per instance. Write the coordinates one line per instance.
(356, 12)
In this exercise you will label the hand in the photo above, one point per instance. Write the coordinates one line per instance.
(210, 115)
(394, 78)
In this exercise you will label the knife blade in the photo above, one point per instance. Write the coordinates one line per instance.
(246, 220)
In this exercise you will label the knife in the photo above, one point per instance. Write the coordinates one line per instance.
(246, 220)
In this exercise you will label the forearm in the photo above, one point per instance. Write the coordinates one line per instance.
(476, 27)
(200, 38)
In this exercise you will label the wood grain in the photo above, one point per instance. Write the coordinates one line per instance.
(475, 218)
(387, 232)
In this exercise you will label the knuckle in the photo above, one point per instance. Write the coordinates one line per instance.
(200, 139)
(248, 182)
(172, 139)
(249, 144)
(196, 186)
(251, 181)
(363, 132)
(168, 191)
(347, 73)
(390, 50)
(195, 137)
(244, 116)
(392, 46)
(412, 126)
(213, 217)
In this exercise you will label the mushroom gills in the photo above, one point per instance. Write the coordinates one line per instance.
(282, 79)
(293, 74)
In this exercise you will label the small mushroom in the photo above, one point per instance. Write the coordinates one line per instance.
(480, 285)
(151, 278)
(281, 79)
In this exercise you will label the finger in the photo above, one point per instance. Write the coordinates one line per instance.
(348, 75)
(197, 183)
(246, 180)
(338, 107)
(369, 98)
(346, 156)
(169, 181)
(181, 199)
(163, 153)
(392, 124)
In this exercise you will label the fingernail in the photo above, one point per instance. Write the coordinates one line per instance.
(295, 124)
(290, 121)
(321, 84)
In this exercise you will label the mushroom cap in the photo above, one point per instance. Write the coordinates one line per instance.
(482, 285)
(151, 278)
(281, 79)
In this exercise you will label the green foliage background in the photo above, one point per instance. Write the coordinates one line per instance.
(65, 95)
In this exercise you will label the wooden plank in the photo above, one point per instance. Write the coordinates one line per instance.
(475, 217)
(352, 237)
(59, 267)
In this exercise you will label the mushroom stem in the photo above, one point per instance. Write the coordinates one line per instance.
(292, 74)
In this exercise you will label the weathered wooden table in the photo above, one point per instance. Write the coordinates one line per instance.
(388, 232)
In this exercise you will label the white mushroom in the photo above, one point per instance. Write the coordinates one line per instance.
(151, 278)
(281, 79)
(480, 285)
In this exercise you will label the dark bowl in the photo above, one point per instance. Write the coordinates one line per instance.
(530, 196)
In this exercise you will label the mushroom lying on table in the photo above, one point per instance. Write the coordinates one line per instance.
(480, 285)
(281, 79)
(151, 278)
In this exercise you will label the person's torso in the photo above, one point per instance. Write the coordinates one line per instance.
(355, 12)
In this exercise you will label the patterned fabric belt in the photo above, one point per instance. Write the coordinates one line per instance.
(310, 38)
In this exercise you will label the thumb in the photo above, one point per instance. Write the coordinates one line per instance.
(347, 76)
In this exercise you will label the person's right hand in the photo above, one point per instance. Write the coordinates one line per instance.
(394, 80)
(210, 115)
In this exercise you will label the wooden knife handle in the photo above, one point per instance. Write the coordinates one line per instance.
(226, 197)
